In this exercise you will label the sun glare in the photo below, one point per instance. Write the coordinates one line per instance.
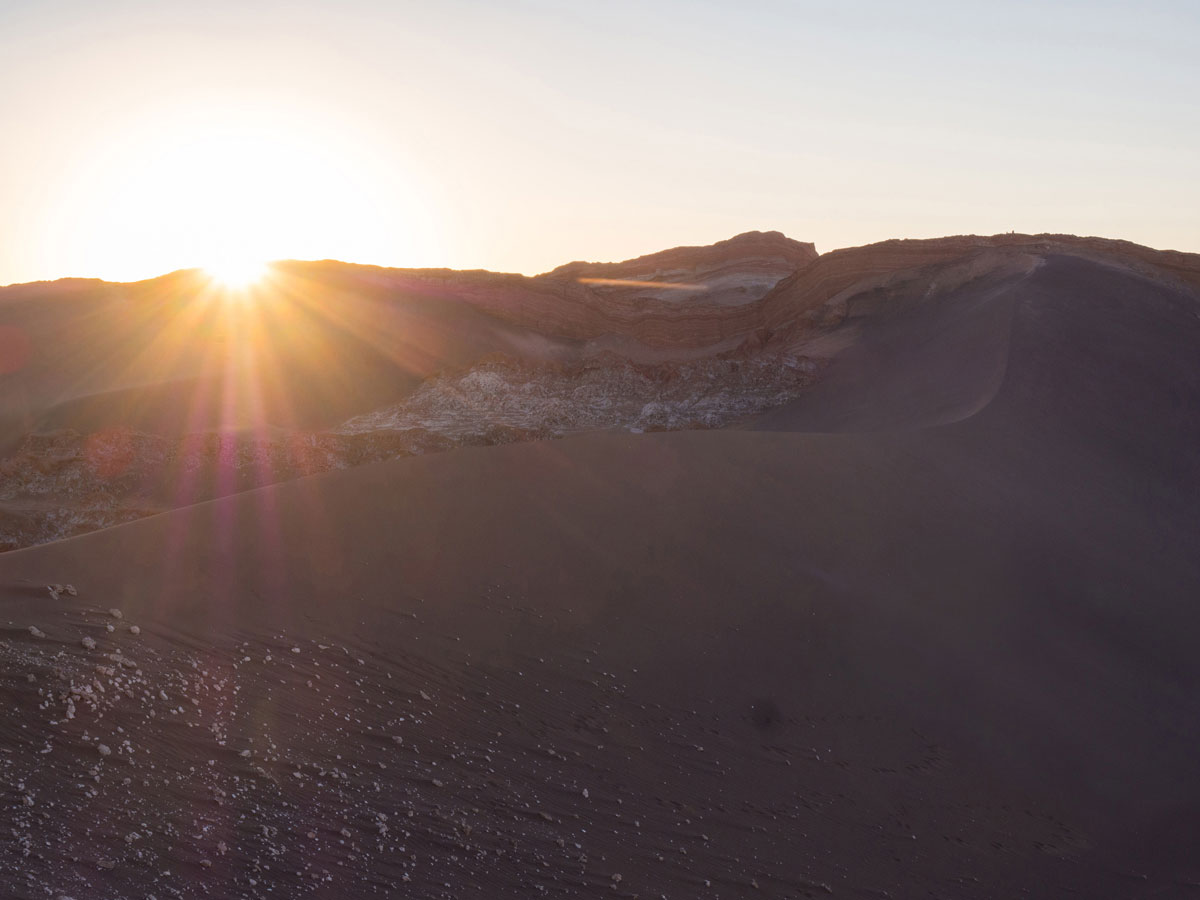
(236, 274)
(227, 189)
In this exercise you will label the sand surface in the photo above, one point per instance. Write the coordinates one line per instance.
(928, 631)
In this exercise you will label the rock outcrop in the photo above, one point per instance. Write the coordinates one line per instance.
(729, 273)
(124, 393)
(672, 302)
(816, 294)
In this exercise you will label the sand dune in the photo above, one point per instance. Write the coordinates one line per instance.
(926, 631)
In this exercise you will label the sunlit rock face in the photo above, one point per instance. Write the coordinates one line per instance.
(120, 401)
(735, 272)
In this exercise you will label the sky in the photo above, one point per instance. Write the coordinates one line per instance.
(137, 138)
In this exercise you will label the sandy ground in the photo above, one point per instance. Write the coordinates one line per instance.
(929, 632)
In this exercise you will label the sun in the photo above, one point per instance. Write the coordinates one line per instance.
(236, 274)
(226, 187)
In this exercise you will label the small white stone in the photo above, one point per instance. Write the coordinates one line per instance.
(133, 629)
(89, 643)
(116, 613)
(104, 749)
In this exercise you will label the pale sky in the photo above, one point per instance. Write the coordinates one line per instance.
(141, 137)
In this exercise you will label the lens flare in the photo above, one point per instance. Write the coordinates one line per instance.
(236, 274)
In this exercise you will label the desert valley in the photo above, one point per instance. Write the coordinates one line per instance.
(738, 570)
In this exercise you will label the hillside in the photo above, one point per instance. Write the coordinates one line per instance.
(925, 629)
(120, 401)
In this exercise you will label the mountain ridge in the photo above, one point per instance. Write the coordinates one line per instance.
(339, 364)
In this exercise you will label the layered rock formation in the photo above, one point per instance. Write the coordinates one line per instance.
(687, 298)
(729, 273)
(329, 365)
(818, 294)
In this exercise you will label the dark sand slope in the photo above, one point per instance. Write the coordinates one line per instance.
(1055, 541)
(952, 656)
(911, 365)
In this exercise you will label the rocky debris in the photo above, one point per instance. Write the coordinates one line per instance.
(143, 770)
(329, 802)
(501, 400)
(88, 643)
(50, 488)
(605, 393)
(36, 632)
